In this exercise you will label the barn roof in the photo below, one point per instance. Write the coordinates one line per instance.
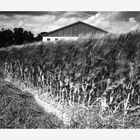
(75, 24)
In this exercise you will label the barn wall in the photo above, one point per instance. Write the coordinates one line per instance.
(56, 38)
(75, 30)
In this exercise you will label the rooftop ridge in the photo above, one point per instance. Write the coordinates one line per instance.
(72, 25)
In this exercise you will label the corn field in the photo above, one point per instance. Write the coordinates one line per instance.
(82, 78)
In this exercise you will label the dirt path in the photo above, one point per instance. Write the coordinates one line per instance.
(51, 109)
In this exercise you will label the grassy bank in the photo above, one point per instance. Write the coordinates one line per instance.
(19, 110)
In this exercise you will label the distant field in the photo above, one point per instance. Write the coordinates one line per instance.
(95, 81)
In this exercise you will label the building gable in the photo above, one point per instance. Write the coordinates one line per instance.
(75, 30)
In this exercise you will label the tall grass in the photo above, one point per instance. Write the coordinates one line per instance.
(95, 81)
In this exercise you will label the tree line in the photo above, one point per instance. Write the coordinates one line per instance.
(17, 36)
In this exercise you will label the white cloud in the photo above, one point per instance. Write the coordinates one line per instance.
(93, 18)
(132, 20)
(65, 21)
(107, 21)
(44, 19)
(20, 23)
(136, 27)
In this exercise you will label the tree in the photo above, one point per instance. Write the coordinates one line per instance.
(39, 37)
(18, 36)
(6, 37)
(22, 36)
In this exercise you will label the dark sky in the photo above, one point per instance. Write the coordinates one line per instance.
(41, 21)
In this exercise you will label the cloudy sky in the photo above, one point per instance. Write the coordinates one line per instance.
(42, 21)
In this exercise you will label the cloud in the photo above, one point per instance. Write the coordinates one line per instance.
(124, 16)
(114, 21)
(79, 14)
(136, 27)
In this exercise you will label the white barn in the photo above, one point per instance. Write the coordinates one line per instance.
(72, 32)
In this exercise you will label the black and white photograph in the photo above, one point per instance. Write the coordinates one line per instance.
(69, 69)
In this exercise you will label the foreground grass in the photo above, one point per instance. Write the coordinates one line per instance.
(19, 110)
(93, 118)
